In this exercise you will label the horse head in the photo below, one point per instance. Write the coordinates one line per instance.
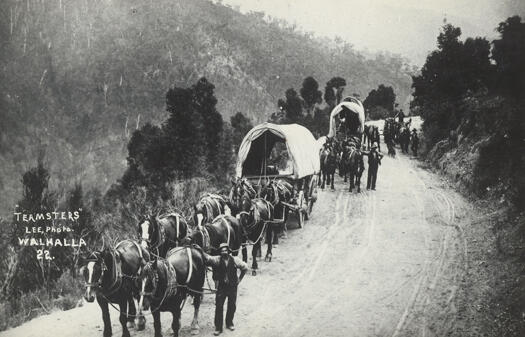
(147, 230)
(237, 192)
(97, 269)
(199, 209)
(269, 193)
(148, 284)
(156, 283)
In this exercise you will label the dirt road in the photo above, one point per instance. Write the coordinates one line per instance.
(390, 262)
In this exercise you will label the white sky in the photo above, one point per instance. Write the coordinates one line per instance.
(406, 27)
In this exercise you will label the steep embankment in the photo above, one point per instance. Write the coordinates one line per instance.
(77, 77)
(476, 160)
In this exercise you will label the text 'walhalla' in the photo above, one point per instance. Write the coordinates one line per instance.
(51, 242)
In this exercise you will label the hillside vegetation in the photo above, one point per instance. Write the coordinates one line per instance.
(471, 96)
(78, 77)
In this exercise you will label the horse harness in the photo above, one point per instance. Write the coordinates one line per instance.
(172, 285)
(117, 277)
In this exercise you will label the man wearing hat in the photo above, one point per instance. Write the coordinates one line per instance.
(226, 272)
(374, 160)
(415, 142)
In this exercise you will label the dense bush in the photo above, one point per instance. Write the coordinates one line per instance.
(467, 89)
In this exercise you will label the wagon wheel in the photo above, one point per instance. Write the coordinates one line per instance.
(303, 213)
(309, 209)
(300, 217)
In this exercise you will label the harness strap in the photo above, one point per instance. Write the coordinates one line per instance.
(218, 204)
(190, 268)
(207, 237)
(177, 220)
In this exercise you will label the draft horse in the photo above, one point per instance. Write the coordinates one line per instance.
(224, 228)
(163, 233)
(208, 208)
(165, 284)
(256, 220)
(241, 189)
(274, 192)
(352, 165)
(328, 157)
(109, 276)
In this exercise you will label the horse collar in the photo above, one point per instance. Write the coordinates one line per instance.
(117, 275)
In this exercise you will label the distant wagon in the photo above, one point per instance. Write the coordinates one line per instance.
(351, 115)
(284, 155)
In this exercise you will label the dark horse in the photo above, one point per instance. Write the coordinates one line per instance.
(352, 165)
(276, 192)
(374, 137)
(388, 135)
(256, 220)
(208, 208)
(163, 233)
(328, 158)
(109, 276)
(224, 228)
(404, 139)
(367, 131)
(241, 188)
(165, 284)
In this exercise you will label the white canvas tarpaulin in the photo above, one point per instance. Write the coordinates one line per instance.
(354, 106)
(300, 143)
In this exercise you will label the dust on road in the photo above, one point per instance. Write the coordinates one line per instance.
(390, 262)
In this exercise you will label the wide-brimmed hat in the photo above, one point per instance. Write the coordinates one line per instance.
(224, 245)
(374, 145)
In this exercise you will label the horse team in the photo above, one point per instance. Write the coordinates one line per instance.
(346, 156)
(167, 262)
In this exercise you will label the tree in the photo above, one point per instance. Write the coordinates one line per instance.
(149, 158)
(311, 94)
(204, 103)
(322, 120)
(184, 132)
(225, 155)
(26, 272)
(381, 97)
(240, 125)
(450, 73)
(453, 69)
(509, 52)
(293, 106)
(333, 92)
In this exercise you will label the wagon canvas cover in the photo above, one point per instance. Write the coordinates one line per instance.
(302, 148)
(355, 107)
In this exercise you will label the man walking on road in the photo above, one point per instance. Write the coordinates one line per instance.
(415, 142)
(227, 285)
(374, 160)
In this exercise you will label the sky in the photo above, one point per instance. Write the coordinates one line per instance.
(405, 27)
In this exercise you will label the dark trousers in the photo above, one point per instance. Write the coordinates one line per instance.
(371, 179)
(224, 292)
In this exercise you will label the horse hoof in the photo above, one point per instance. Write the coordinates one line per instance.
(254, 273)
(131, 325)
(141, 326)
(195, 331)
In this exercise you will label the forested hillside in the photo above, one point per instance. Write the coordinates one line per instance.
(78, 77)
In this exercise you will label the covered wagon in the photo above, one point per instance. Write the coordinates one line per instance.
(273, 152)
